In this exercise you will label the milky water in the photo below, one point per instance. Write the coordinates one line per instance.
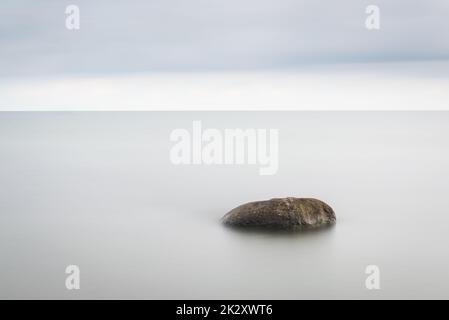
(98, 190)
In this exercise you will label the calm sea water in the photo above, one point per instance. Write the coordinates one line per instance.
(98, 190)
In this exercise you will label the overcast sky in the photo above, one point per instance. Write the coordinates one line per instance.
(186, 35)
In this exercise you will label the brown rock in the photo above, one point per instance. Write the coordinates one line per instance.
(282, 213)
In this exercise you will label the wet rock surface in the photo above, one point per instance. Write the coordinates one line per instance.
(282, 214)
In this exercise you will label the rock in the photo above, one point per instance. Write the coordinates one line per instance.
(281, 213)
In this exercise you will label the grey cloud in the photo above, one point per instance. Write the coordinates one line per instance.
(179, 35)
